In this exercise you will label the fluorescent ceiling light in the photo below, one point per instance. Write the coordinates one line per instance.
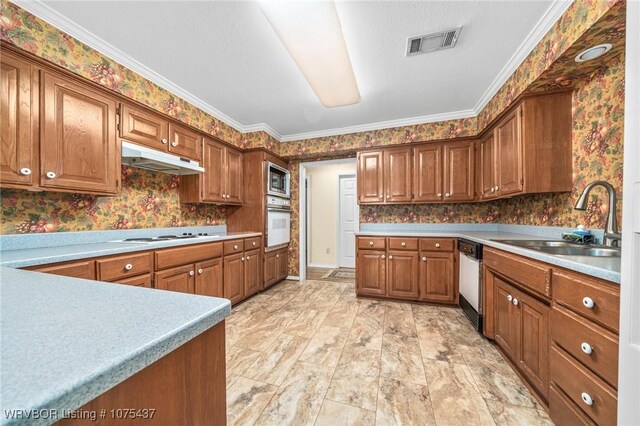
(312, 34)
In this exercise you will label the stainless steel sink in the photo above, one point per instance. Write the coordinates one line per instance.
(564, 248)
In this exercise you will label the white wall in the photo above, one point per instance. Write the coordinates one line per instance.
(323, 210)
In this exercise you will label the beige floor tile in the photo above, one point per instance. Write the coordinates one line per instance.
(366, 333)
(360, 360)
(298, 400)
(454, 395)
(401, 403)
(326, 346)
(336, 414)
(276, 361)
(354, 389)
(342, 315)
(437, 343)
(239, 360)
(246, 399)
(307, 323)
(513, 415)
(401, 359)
(497, 381)
(399, 322)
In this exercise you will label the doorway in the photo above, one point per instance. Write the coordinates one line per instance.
(329, 217)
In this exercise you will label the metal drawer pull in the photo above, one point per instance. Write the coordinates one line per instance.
(51, 175)
(439, 194)
(497, 188)
(382, 257)
(254, 243)
(390, 257)
(25, 171)
(515, 301)
(403, 244)
(588, 303)
(247, 257)
(509, 298)
(437, 245)
(242, 259)
(191, 273)
(235, 247)
(128, 267)
(388, 196)
(586, 348)
(164, 141)
(586, 398)
(447, 195)
(370, 243)
(174, 143)
(277, 255)
(424, 259)
(493, 190)
(200, 270)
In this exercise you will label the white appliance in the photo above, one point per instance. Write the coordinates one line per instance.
(278, 181)
(278, 221)
(470, 281)
(158, 161)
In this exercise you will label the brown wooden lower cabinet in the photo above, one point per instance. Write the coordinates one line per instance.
(402, 274)
(371, 273)
(436, 279)
(533, 355)
(234, 277)
(209, 278)
(180, 279)
(78, 269)
(252, 273)
(506, 318)
(185, 387)
(139, 281)
(276, 266)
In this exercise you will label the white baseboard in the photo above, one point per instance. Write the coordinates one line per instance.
(293, 277)
(322, 265)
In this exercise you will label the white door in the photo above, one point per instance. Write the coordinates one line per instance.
(348, 221)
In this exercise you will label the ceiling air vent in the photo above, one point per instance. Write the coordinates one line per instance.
(434, 41)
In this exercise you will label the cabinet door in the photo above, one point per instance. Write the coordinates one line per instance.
(19, 118)
(397, 171)
(487, 164)
(79, 151)
(436, 277)
(213, 178)
(506, 318)
(252, 272)
(209, 278)
(283, 264)
(138, 281)
(370, 178)
(184, 142)
(234, 277)
(533, 356)
(143, 127)
(181, 279)
(459, 183)
(427, 173)
(402, 274)
(371, 272)
(81, 269)
(508, 147)
(271, 263)
(233, 182)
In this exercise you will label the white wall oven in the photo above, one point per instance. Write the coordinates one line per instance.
(278, 181)
(278, 221)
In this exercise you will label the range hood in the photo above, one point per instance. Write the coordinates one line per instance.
(158, 161)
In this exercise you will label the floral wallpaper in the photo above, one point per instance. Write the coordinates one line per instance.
(146, 198)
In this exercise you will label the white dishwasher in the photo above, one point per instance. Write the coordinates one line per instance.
(470, 281)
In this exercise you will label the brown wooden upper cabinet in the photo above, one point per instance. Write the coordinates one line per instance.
(459, 176)
(79, 151)
(221, 182)
(486, 171)
(19, 118)
(370, 177)
(143, 127)
(184, 142)
(508, 146)
(427, 173)
(397, 175)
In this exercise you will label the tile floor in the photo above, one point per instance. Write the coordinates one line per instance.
(312, 353)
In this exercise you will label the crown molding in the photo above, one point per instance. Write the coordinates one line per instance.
(262, 127)
(433, 118)
(542, 27)
(46, 13)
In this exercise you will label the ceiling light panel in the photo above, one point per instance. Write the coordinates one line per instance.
(312, 34)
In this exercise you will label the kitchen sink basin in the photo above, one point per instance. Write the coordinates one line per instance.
(565, 248)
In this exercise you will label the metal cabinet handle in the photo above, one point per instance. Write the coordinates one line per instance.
(25, 171)
(515, 301)
(247, 257)
(588, 303)
(174, 143)
(497, 188)
(254, 243)
(586, 348)
(509, 298)
(235, 247)
(390, 257)
(437, 245)
(439, 194)
(447, 195)
(242, 259)
(200, 270)
(277, 256)
(493, 189)
(164, 141)
(586, 398)
(370, 243)
(388, 196)
(424, 258)
(128, 267)
(382, 257)
(51, 175)
(403, 244)
(191, 273)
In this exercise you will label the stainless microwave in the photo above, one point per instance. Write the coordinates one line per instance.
(278, 181)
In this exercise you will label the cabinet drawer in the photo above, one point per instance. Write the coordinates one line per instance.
(139, 281)
(129, 265)
(397, 243)
(564, 412)
(437, 244)
(576, 291)
(571, 332)
(577, 382)
(189, 254)
(252, 243)
(233, 247)
(529, 274)
(373, 243)
(82, 269)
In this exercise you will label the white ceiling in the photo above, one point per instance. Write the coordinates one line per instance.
(226, 58)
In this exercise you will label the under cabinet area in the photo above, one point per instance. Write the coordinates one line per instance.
(407, 268)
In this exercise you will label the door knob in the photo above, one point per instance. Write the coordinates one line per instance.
(200, 270)
(586, 398)
(493, 189)
(370, 243)
(247, 257)
(439, 194)
(403, 244)
(25, 171)
(164, 141)
(128, 267)
(277, 256)
(51, 175)
(242, 259)
(390, 257)
(388, 196)
(424, 259)
(509, 298)
(515, 301)
(586, 348)
(254, 243)
(447, 195)
(235, 247)
(588, 303)
(174, 143)
(191, 273)
(497, 188)
(437, 245)
(382, 257)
